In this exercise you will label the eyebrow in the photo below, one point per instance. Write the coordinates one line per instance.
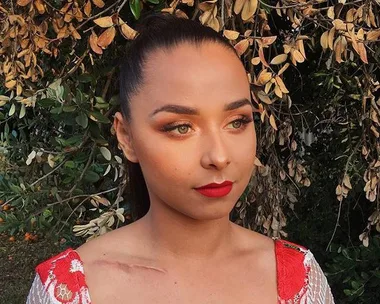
(177, 109)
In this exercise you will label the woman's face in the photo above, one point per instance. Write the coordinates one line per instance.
(191, 126)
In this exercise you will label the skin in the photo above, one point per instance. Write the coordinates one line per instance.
(186, 250)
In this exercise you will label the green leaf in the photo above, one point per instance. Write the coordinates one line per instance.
(57, 110)
(22, 111)
(98, 117)
(135, 7)
(12, 110)
(99, 99)
(106, 153)
(154, 1)
(46, 102)
(85, 78)
(91, 177)
(70, 164)
(69, 109)
(82, 120)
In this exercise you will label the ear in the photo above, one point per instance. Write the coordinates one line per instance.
(124, 137)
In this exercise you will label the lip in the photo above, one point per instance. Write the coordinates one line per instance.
(215, 190)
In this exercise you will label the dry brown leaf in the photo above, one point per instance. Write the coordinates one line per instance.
(87, 8)
(23, 2)
(283, 69)
(281, 84)
(40, 6)
(330, 13)
(98, 3)
(301, 47)
(339, 25)
(362, 52)
(241, 46)
(264, 77)
(268, 86)
(272, 122)
(360, 34)
(373, 35)
(297, 55)
(264, 97)
(277, 91)
(255, 60)
(93, 40)
(331, 38)
(127, 31)
(74, 32)
(239, 6)
(231, 35)
(104, 21)
(350, 15)
(262, 57)
(106, 37)
(249, 9)
(10, 84)
(279, 59)
(325, 40)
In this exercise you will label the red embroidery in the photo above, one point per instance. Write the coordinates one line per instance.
(292, 273)
(63, 276)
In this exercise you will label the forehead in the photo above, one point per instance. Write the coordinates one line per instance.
(193, 75)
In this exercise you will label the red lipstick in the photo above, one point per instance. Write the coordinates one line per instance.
(215, 190)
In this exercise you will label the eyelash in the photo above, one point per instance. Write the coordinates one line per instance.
(244, 119)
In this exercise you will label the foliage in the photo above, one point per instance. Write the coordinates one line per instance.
(312, 67)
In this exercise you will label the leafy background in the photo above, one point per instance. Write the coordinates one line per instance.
(313, 69)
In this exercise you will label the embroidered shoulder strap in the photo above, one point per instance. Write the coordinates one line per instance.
(62, 277)
(292, 271)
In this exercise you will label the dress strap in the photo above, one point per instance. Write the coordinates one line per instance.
(63, 278)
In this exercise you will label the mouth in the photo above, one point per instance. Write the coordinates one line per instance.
(216, 190)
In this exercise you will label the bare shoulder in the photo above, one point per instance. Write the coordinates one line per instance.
(118, 243)
(254, 240)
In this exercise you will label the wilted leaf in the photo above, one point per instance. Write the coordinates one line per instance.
(325, 40)
(283, 69)
(242, 46)
(231, 35)
(264, 97)
(272, 122)
(238, 6)
(126, 30)
(106, 38)
(279, 59)
(23, 2)
(93, 40)
(98, 3)
(87, 8)
(104, 21)
(249, 9)
(281, 84)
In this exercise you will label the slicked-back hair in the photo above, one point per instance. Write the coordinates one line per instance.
(156, 32)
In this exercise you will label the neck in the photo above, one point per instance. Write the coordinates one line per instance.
(175, 235)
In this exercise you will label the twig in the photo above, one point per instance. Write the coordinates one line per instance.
(340, 203)
(46, 175)
(99, 14)
(84, 170)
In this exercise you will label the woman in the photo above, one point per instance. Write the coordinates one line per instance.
(187, 122)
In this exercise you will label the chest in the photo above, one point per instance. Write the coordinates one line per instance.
(224, 285)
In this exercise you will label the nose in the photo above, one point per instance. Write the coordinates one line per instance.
(215, 153)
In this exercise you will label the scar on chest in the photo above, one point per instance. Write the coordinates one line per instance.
(127, 267)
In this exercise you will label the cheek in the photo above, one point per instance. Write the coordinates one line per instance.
(161, 162)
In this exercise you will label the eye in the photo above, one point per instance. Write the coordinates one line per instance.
(177, 129)
(241, 122)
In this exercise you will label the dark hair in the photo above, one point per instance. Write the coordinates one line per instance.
(155, 32)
